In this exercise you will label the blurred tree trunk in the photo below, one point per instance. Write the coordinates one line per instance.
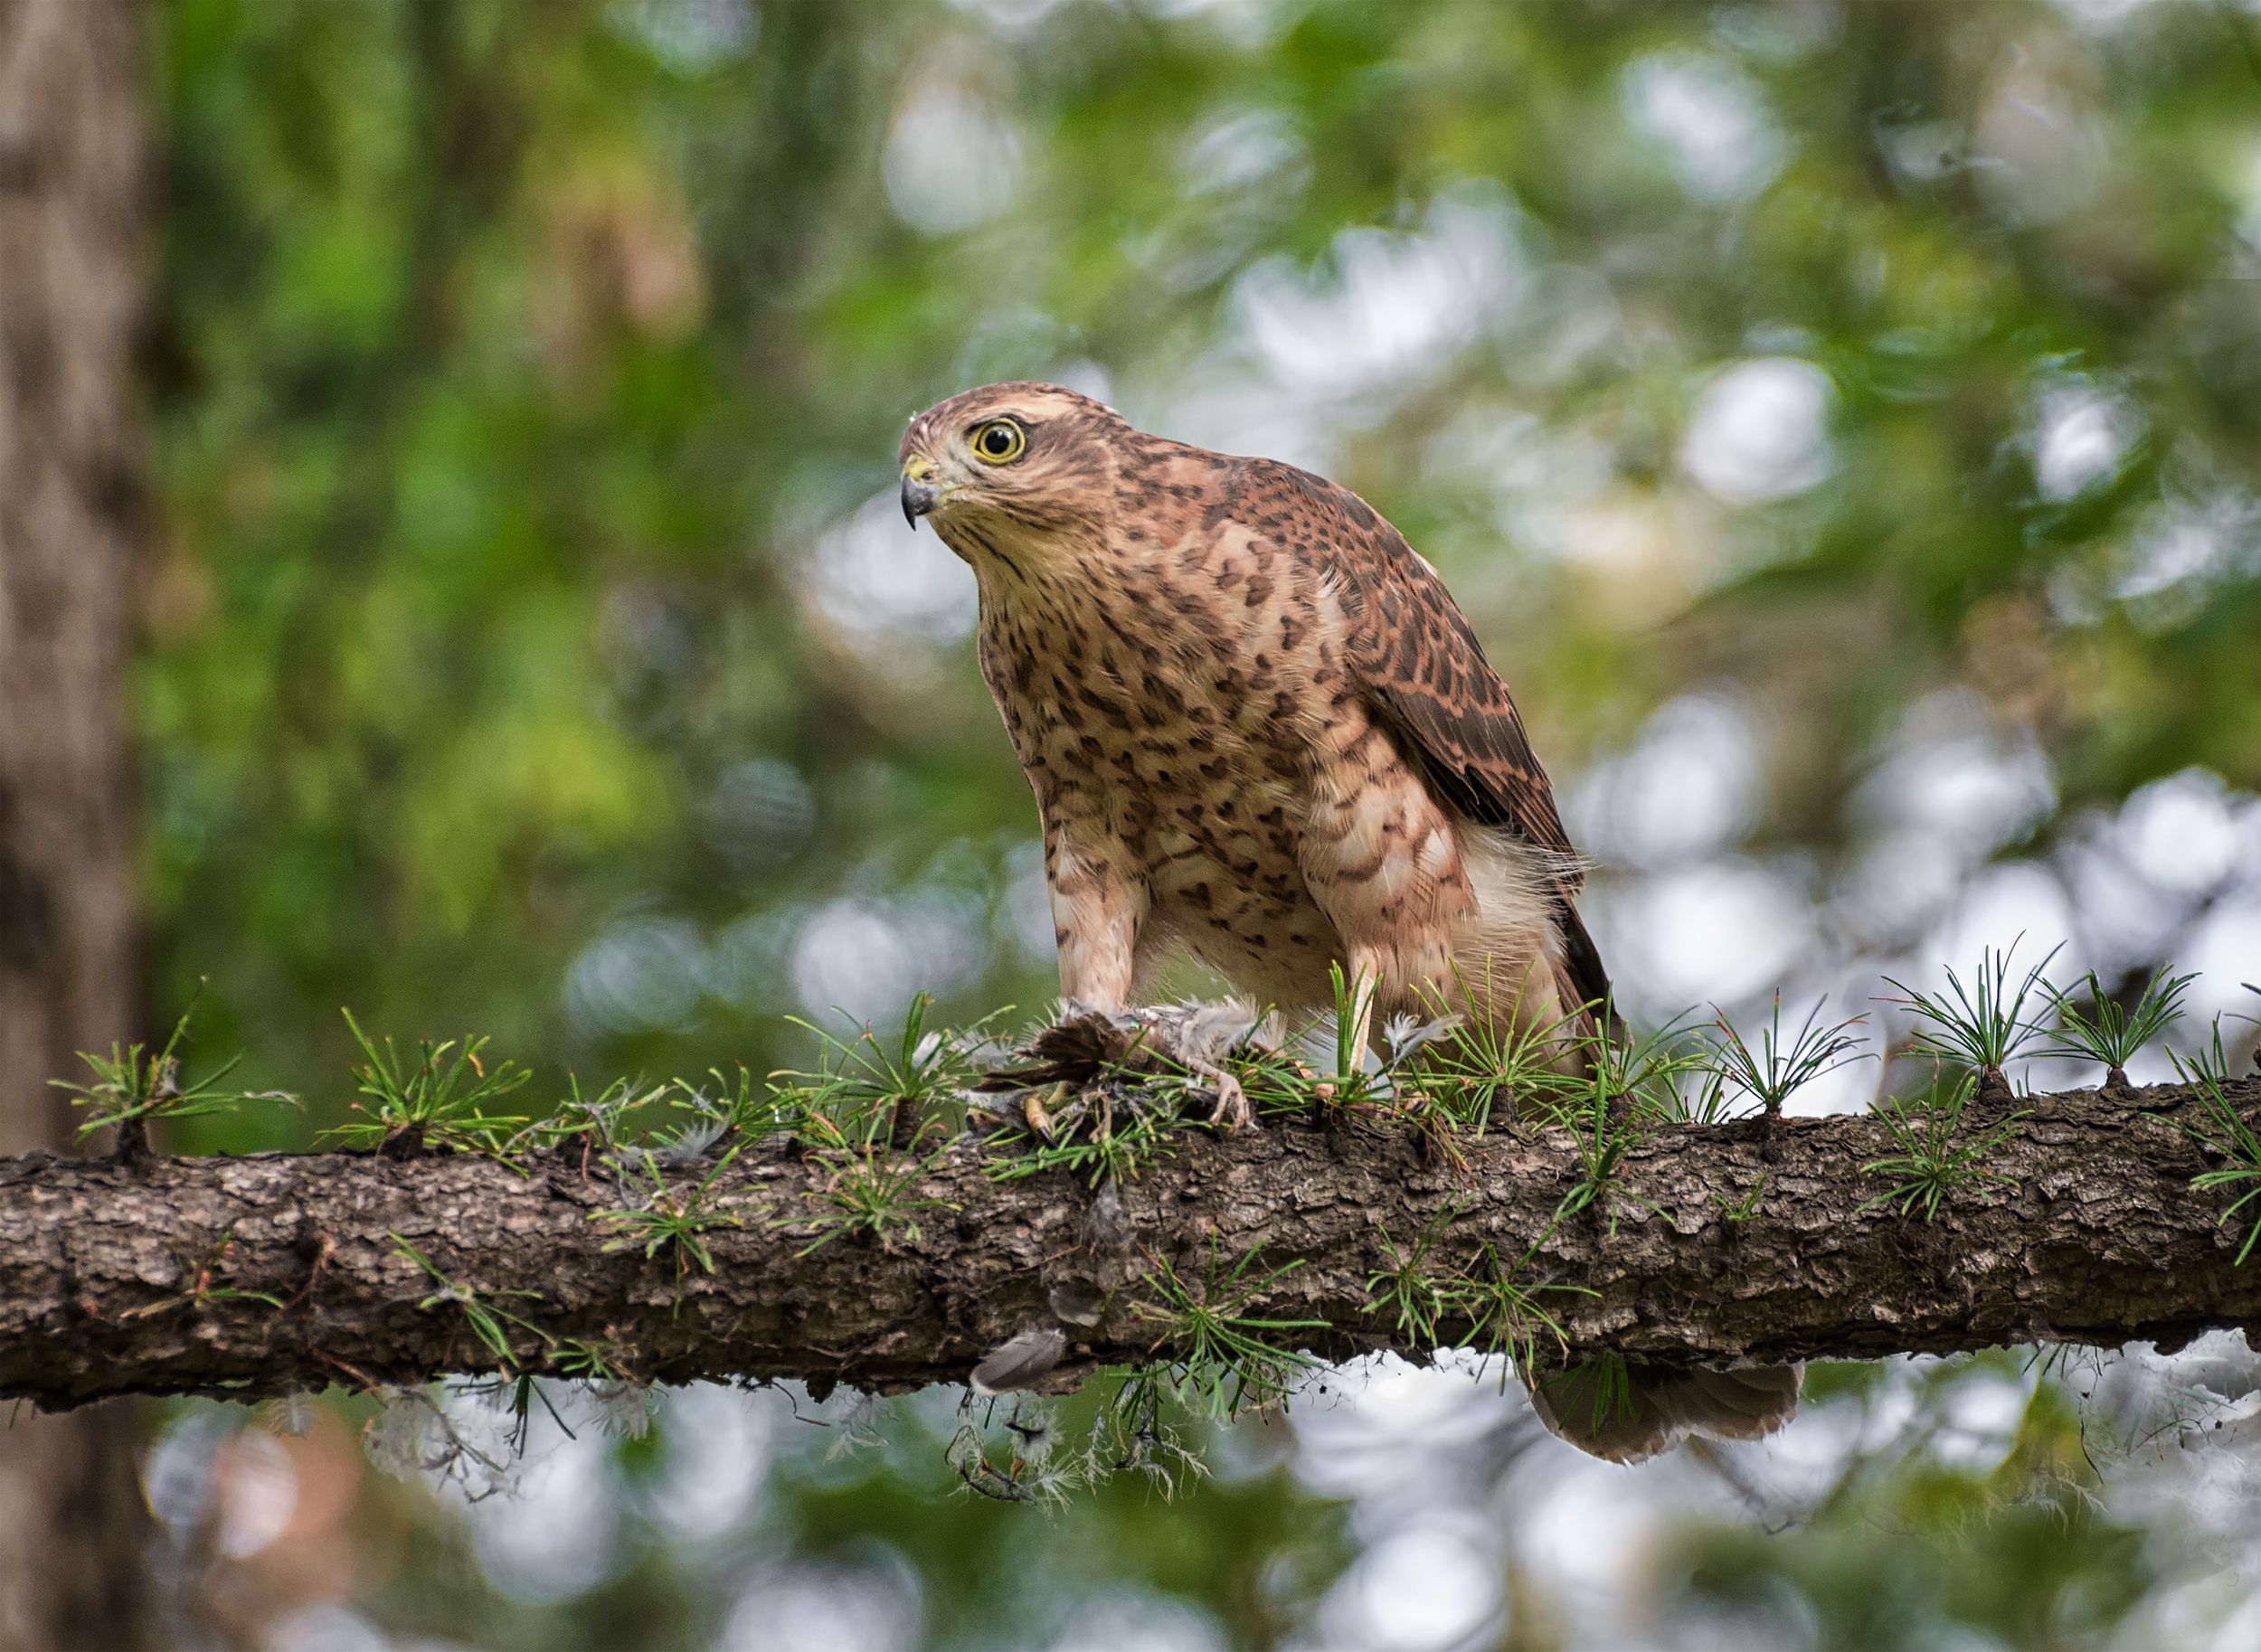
(72, 1529)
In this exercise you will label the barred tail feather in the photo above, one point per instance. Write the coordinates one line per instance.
(1628, 1413)
(1589, 982)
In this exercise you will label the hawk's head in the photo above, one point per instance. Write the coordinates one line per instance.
(1010, 463)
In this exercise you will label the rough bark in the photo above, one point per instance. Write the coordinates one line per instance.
(2086, 1231)
(71, 1524)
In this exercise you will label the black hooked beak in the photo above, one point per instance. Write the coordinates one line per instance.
(918, 498)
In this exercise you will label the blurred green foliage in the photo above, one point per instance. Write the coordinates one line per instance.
(519, 373)
(1890, 1561)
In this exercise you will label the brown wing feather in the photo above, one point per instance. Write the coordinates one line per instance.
(1411, 650)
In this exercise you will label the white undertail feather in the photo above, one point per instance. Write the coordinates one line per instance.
(1511, 956)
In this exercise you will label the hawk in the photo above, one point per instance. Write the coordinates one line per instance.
(1257, 726)
(1256, 722)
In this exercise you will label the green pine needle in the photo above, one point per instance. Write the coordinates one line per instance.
(1985, 1026)
(2110, 1033)
(2225, 1133)
(1778, 1069)
(131, 1087)
(442, 1097)
(1934, 1155)
(1221, 1358)
(674, 1219)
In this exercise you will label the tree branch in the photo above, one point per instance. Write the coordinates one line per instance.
(263, 1275)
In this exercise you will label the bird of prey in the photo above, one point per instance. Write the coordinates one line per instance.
(1258, 727)
(1256, 723)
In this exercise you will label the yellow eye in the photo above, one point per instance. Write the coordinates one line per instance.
(998, 442)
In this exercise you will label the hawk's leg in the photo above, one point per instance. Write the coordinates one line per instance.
(1096, 909)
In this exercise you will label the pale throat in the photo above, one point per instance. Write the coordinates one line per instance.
(1036, 573)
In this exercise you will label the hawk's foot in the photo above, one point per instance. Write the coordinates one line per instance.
(1036, 1105)
(1232, 1111)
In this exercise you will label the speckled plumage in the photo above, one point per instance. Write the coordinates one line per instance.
(1255, 721)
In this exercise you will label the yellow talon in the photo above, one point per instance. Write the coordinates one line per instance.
(1033, 1108)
